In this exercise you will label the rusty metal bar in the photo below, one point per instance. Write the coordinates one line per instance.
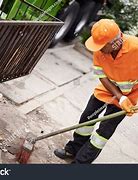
(45, 45)
(29, 47)
(22, 43)
(22, 46)
(34, 23)
(38, 52)
(19, 43)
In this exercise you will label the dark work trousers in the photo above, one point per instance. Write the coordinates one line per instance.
(84, 151)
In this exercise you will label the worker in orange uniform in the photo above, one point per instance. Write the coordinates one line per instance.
(115, 61)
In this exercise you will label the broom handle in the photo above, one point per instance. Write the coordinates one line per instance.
(88, 123)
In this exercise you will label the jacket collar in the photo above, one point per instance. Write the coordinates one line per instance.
(125, 46)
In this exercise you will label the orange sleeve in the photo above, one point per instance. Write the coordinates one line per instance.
(98, 70)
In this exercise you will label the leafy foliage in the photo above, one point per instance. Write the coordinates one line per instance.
(125, 13)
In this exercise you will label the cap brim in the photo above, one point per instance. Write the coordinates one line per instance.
(92, 46)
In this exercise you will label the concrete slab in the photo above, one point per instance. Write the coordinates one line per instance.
(76, 59)
(56, 70)
(62, 112)
(44, 149)
(70, 90)
(82, 49)
(11, 120)
(112, 154)
(25, 88)
(13, 124)
(123, 145)
(80, 95)
(44, 98)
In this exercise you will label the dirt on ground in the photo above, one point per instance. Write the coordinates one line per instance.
(36, 122)
(44, 149)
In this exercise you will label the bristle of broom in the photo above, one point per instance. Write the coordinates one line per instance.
(23, 156)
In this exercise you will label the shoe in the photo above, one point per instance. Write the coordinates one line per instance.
(63, 154)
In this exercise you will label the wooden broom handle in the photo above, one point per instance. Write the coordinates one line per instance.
(88, 123)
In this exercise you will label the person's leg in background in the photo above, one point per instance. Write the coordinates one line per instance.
(81, 135)
(92, 148)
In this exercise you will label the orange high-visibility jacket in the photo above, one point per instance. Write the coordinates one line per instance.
(122, 71)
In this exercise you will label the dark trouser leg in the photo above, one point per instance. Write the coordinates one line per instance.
(91, 149)
(82, 135)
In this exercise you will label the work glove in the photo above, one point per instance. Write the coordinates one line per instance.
(126, 105)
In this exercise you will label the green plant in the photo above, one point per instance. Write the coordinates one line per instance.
(125, 13)
(15, 9)
(7, 5)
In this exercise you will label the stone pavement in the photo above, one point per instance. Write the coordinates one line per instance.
(52, 97)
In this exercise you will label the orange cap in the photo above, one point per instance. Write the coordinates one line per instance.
(102, 32)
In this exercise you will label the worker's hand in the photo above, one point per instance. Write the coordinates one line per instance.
(126, 105)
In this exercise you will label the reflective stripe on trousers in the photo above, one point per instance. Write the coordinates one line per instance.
(97, 140)
(85, 131)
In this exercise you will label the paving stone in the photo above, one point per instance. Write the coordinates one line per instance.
(58, 91)
(62, 112)
(74, 58)
(81, 48)
(22, 89)
(56, 70)
(123, 145)
(113, 155)
(11, 120)
(80, 95)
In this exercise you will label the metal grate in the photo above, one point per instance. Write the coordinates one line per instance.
(22, 43)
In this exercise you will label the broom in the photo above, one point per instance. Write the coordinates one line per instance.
(28, 145)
